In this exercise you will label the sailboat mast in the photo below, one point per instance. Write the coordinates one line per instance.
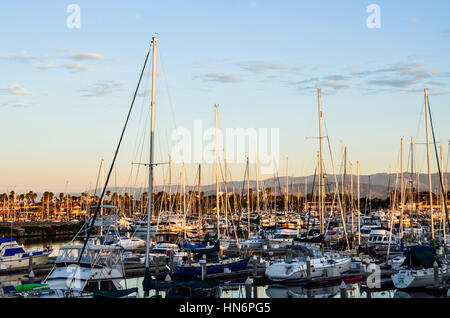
(248, 197)
(412, 174)
(359, 211)
(401, 187)
(102, 164)
(150, 166)
(199, 198)
(257, 184)
(429, 164)
(287, 187)
(351, 196)
(321, 181)
(217, 171)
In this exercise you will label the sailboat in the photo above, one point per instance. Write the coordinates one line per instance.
(418, 267)
(293, 270)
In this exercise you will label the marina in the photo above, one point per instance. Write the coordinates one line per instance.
(224, 157)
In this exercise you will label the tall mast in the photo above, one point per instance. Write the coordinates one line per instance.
(248, 197)
(150, 166)
(442, 193)
(321, 181)
(184, 200)
(401, 187)
(217, 170)
(351, 195)
(412, 173)
(227, 230)
(429, 164)
(257, 184)
(199, 198)
(359, 211)
(170, 185)
(286, 204)
(102, 164)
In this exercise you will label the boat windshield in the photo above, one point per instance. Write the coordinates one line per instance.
(94, 256)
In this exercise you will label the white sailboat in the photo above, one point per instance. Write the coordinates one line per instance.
(295, 269)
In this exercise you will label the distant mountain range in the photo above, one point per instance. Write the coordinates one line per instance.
(380, 185)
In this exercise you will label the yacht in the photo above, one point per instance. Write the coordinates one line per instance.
(382, 236)
(283, 237)
(14, 256)
(79, 272)
(295, 269)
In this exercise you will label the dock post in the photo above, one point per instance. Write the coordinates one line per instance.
(343, 289)
(255, 269)
(248, 287)
(436, 274)
(156, 266)
(31, 276)
(30, 262)
(203, 264)
(308, 268)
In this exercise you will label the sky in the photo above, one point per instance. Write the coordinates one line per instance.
(65, 92)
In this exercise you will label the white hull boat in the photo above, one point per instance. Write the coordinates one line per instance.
(420, 278)
(295, 270)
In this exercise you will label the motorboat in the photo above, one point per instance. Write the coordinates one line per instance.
(14, 256)
(292, 270)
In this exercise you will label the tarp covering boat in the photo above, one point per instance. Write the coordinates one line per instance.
(27, 287)
(188, 245)
(193, 272)
(206, 250)
(420, 256)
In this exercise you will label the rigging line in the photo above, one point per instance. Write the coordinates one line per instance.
(439, 168)
(98, 177)
(335, 178)
(142, 146)
(167, 89)
(138, 134)
(91, 226)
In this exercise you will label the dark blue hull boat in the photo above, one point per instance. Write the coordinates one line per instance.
(194, 272)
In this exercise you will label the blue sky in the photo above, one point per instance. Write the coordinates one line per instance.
(65, 92)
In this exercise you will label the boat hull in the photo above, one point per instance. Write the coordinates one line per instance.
(193, 272)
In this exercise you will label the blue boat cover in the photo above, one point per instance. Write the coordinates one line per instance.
(7, 239)
(13, 251)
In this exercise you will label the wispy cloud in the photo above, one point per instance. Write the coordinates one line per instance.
(15, 103)
(46, 66)
(23, 57)
(82, 56)
(18, 103)
(14, 90)
(219, 77)
(102, 88)
(399, 83)
(406, 76)
(264, 66)
(319, 67)
(334, 82)
(79, 67)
